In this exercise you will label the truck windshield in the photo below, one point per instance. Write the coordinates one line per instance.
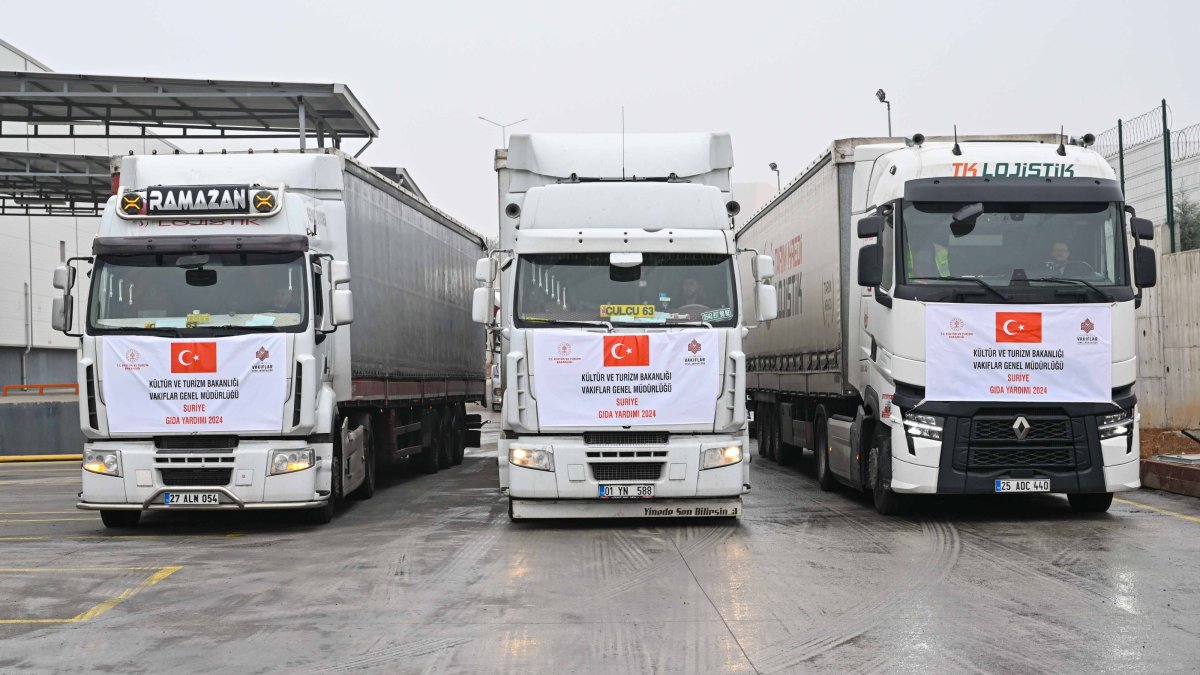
(197, 292)
(666, 289)
(1006, 243)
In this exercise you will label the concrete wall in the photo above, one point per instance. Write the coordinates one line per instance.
(35, 427)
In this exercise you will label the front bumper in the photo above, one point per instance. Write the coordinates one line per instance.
(576, 465)
(964, 463)
(626, 508)
(239, 477)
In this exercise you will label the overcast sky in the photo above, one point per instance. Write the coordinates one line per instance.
(784, 77)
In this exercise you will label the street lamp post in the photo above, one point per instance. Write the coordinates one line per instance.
(503, 128)
(778, 185)
(883, 99)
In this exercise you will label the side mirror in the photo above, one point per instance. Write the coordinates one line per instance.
(870, 265)
(342, 307)
(481, 305)
(61, 313)
(64, 278)
(764, 267)
(767, 302)
(483, 270)
(1141, 228)
(339, 272)
(1145, 268)
(870, 226)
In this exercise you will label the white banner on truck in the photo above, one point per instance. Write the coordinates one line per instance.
(590, 379)
(226, 384)
(1018, 353)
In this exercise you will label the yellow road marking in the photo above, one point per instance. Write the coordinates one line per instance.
(1165, 512)
(41, 458)
(102, 607)
(45, 520)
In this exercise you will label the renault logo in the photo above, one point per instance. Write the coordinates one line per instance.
(1021, 427)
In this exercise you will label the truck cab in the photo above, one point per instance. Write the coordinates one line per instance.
(620, 327)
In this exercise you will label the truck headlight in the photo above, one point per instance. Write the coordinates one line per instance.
(538, 457)
(1116, 424)
(923, 426)
(289, 461)
(104, 462)
(712, 458)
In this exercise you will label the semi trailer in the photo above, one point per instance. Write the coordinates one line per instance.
(224, 362)
(620, 326)
(956, 316)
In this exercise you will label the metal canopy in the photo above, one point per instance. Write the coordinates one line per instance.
(42, 184)
(178, 108)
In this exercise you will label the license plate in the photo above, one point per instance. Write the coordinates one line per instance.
(191, 498)
(1009, 485)
(627, 491)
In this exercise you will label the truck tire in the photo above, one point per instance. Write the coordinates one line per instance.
(119, 519)
(887, 503)
(443, 440)
(785, 453)
(366, 490)
(426, 461)
(825, 478)
(1097, 502)
(759, 425)
(458, 434)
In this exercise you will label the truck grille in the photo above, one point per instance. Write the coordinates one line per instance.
(1049, 442)
(195, 477)
(1022, 457)
(195, 442)
(1040, 429)
(605, 471)
(625, 438)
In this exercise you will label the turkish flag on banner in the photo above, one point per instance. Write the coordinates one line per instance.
(626, 350)
(1018, 326)
(193, 357)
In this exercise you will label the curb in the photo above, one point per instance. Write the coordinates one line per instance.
(1171, 477)
(41, 458)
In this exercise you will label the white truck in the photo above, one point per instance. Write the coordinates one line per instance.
(956, 317)
(620, 326)
(217, 365)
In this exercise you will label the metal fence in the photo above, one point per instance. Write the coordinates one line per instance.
(1154, 163)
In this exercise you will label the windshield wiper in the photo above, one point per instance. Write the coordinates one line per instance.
(165, 332)
(1081, 282)
(974, 280)
(571, 322)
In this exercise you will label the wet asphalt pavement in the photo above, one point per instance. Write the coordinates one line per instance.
(430, 576)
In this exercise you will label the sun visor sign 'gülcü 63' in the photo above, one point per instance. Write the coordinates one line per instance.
(201, 200)
(586, 379)
(233, 384)
(1056, 353)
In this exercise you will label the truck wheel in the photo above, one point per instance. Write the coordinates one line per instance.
(825, 477)
(759, 425)
(887, 503)
(367, 489)
(426, 461)
(119, 519)
(458, 435)
(1086, 503)
(443, 440)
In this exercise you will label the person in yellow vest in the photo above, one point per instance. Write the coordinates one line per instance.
(929, 259)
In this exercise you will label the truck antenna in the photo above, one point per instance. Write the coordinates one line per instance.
(1062, 147)
(957, 150)
(622, 142)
